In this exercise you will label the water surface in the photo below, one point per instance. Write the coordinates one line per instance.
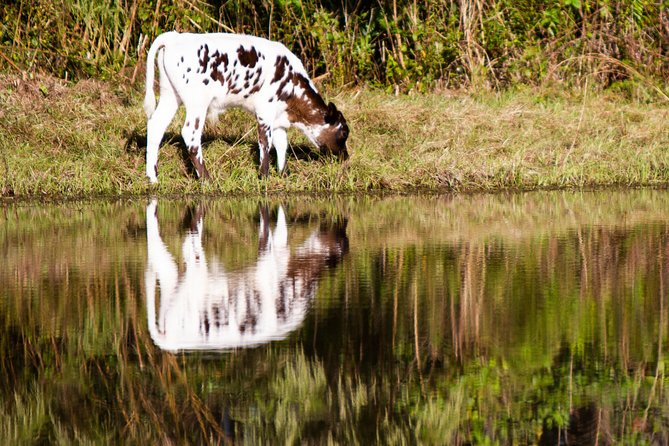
(527, 319)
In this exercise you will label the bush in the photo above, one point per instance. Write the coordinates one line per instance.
(399, 44)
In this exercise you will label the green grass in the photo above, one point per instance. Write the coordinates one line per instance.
(59, 139)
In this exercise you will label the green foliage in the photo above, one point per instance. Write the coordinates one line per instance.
(402, 45)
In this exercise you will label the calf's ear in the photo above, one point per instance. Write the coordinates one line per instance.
(331, 114)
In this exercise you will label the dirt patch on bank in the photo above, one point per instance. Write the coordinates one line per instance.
(35, 92)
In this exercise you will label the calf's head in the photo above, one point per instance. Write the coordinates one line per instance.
(334, 133)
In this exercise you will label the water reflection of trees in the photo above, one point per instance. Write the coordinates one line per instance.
(453, 340)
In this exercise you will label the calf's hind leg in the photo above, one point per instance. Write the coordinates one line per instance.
(155, 129)
(192, 135)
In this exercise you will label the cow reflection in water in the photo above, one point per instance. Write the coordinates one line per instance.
(206, 307)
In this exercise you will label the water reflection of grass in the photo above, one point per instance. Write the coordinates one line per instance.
(297, 397)
(430, 341)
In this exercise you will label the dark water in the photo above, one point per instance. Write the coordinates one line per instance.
(503, 319)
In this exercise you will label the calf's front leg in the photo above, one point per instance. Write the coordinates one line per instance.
(280, 140)
(155, 129)
(264, 144)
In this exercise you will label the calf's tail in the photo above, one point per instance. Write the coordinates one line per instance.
(149, 97)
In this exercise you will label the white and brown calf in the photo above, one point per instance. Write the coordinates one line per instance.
(209, 73)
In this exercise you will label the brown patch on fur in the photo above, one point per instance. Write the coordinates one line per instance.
(309, 108)
(204, 58)
(247, 58)
(197, 123)
(257, 84)
(279, 68)
(202, 171)
(282, 93)
(257, 77)
(216, 73)
(255, 89)
(217, 76)
(263, 143)
(219, 59)
(328, 138)
(232, 84)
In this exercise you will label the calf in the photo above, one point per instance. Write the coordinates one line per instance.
(209, 73)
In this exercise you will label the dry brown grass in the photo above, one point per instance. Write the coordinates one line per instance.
(88, 138)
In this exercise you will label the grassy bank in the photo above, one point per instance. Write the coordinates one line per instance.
(88, 138)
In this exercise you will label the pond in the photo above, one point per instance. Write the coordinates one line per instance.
(536, 318)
